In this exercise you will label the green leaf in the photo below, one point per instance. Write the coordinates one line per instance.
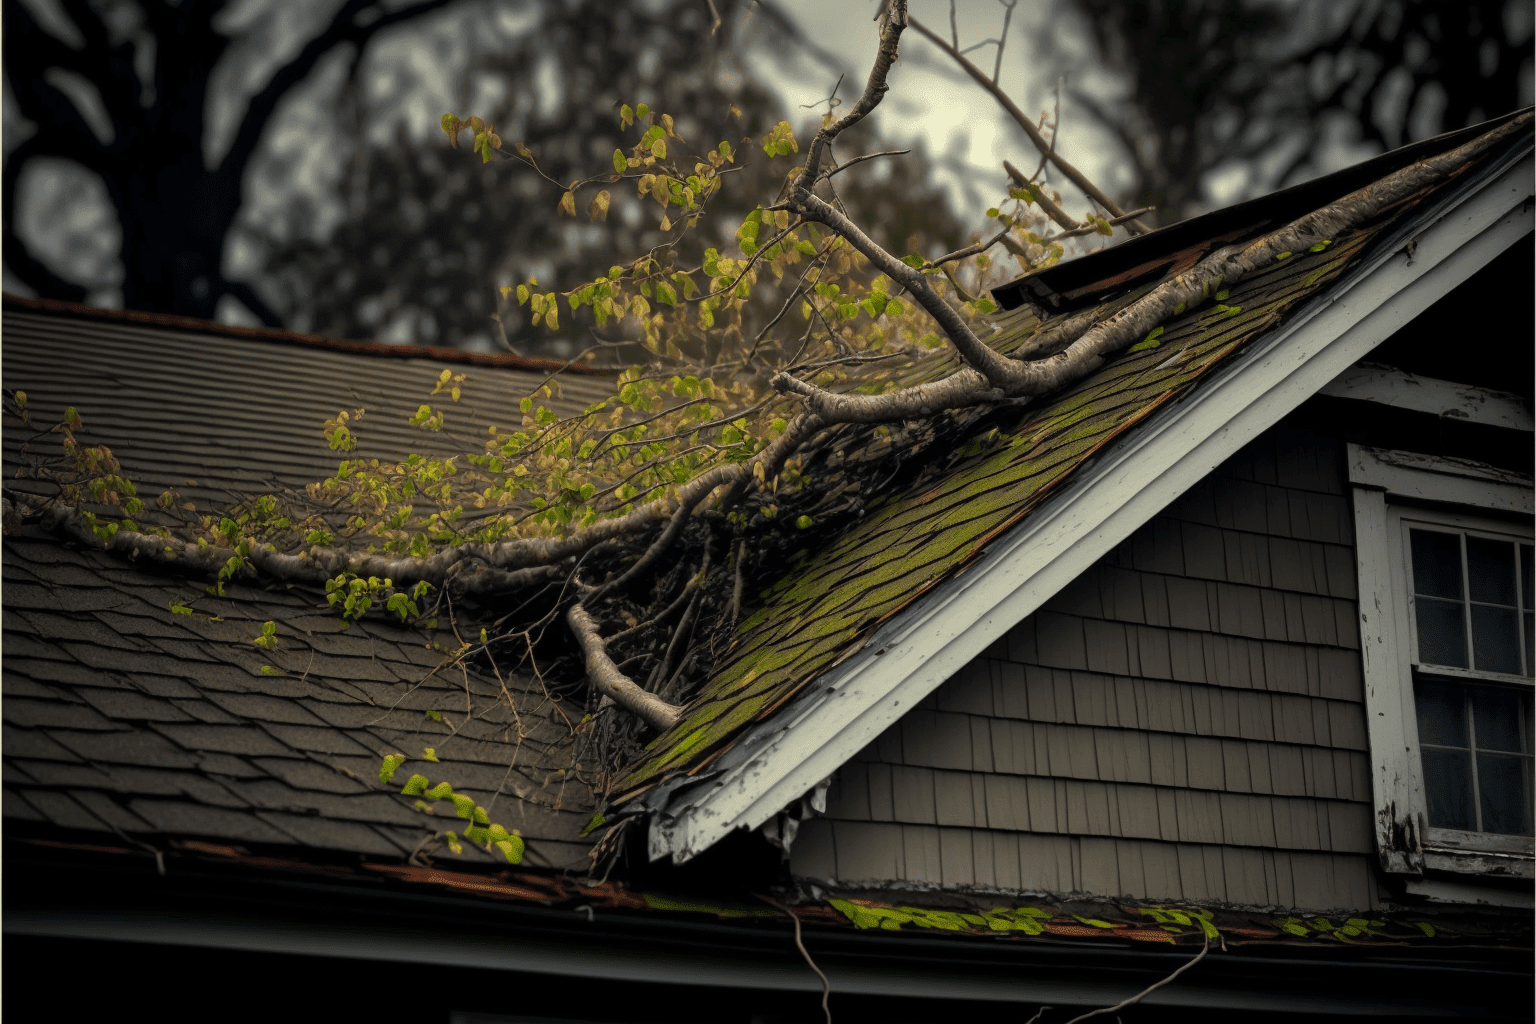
(268, 670)
(463, 806)
(597, 822)
(415, 786)
(1427, 928)
(388, 768)
(177, 608)
(512, 848)
(436, 716)
(430, 754)
(620, 164)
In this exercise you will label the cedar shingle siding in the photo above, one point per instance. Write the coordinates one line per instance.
(1185, 721)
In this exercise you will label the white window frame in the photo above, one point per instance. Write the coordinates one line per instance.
(1391, 488)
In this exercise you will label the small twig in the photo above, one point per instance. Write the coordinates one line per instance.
(826, 986)
(1056, 213)
(1138, 997)
(1088, 229)
(970, 250)
(714, 18)
(1045, 157)
(861, 159)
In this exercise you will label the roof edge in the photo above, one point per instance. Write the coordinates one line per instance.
(1177, 447)
(377, 349)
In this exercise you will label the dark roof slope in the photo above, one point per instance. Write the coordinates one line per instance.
(121, 714)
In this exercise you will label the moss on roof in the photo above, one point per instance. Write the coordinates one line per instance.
(824, 609)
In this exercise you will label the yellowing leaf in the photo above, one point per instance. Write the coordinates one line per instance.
(567, 206)
(597, 210)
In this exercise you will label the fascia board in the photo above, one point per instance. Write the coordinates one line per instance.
(938, 635)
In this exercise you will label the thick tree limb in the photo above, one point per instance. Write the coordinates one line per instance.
(611, 683)
(1073, 174)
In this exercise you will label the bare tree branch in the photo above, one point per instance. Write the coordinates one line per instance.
(1073, 174)
(613, 684)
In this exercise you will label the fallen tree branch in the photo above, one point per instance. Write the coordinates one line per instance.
(611, 683)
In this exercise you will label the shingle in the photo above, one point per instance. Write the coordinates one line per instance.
(1199, 815)
(848, 797)
(1059, 641)
(13, 805)
(1106, 647)
(957, 863)
(177, 817)
(1187, 604)
(920, 851)
(328, 834)
(813, 854)
(1342, 573)
(33, 713)
(228, 764)
(62, 810)
(261, 708)
(109, 811)
(1204, 758)
(131, 748)
(125, 704)
(20, 645)
(1007, 803)
(1204, 552)
(228, 739)
(1154, 599)
(881, 793)
(1100, 867)
(163, 685)
(30, 743)
(1045, 863)
(868, 851)
(59, 773)
(912, 795)
(937, 739)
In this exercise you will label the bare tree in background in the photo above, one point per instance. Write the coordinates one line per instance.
(1213, 84)
(122, 91)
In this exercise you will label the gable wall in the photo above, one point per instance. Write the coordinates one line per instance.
(1185, 721)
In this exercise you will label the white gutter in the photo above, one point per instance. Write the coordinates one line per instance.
(1124, 488)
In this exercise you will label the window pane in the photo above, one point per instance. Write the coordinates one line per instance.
(1526, 585)
(1436, 563)
(1530, 641)
(1491, 570)
(1495, 639)
(1448, 787)
(1496, 718)
(1442, 632)
(1442, 715)
(1504, 784)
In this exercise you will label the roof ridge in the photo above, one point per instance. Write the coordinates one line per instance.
(377, 349)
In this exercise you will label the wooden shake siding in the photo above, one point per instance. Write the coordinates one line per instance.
(1185, 721)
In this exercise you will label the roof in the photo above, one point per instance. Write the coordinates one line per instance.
(124, 715)
(1017, 505)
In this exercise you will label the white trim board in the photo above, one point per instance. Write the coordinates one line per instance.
(1387, 385)
(1125, 487)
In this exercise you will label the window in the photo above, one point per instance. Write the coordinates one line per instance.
(1470, 617)
(1447, 590)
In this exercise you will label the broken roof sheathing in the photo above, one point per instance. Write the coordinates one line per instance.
(769, 723)
(122, 715)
